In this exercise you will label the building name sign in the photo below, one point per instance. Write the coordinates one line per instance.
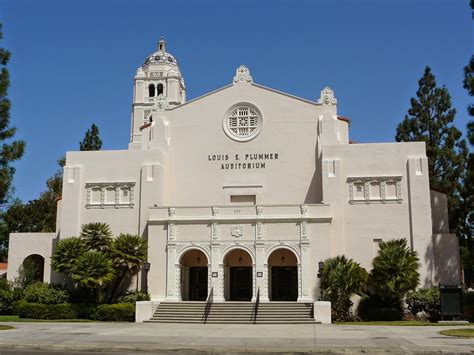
(248, 161)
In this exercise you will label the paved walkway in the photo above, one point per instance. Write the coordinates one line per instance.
(227, 338)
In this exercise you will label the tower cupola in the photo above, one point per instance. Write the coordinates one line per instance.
(159, 86)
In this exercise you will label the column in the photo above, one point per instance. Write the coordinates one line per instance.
(261, 272)
(304, 269)
(217, 275)
(173, 275)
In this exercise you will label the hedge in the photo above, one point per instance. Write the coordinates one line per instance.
(47, 311)
(105, 312)
(115, 312)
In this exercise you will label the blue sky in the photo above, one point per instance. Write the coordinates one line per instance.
(73, 62)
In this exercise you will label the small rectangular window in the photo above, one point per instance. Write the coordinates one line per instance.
(125, 195)
(110, 195)
(96, 193)
(375, 191)
(391, 190)
(243, 199)
(359, 191)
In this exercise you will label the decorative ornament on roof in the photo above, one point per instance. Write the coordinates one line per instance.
(327, 97)
(242, 75)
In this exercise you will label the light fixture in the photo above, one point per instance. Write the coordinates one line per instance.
(198, 259)
(282, 256)
(240, 258)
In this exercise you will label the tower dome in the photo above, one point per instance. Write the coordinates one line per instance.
(161, 56)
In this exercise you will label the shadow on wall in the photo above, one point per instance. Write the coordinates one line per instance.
(442, 261)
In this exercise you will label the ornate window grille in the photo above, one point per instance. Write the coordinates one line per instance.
(243, 123)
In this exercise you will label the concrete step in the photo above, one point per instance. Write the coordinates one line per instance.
(233, 312)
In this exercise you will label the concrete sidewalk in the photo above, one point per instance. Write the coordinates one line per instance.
(221, 338)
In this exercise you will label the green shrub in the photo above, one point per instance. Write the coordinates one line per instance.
(45, 293)
(133, 297)
(47, 311)
(469, 306)
(426, 300)
(115, 312)
(6, 297)
(340, 279)
(375, 308)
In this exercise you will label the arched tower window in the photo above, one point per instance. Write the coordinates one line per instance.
(151, 90)
(160, 89)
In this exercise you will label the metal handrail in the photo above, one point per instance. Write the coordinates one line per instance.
(255, 309)
(207, 309)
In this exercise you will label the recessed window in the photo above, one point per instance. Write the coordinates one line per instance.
(125, 195)
(359, 191)
(391, 189)
(375, 190)
(160, 89)
(110, 195)
(96, 195)
(243, 122)
(151, 90)
(243, 199)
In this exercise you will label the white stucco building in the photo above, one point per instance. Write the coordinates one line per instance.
(245, 190)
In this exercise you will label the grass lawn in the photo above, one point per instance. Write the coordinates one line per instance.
(462, 333)
(396, 323)
(6, 327)
(18, 319)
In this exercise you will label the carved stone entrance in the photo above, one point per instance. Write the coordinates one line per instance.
(283, 271)
(238, 276)
(194, 276)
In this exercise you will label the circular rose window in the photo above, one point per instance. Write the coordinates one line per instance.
(243, 122)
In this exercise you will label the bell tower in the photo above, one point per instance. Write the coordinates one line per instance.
(158, 87)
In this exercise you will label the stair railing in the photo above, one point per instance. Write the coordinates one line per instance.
(255, 309)
(207, 309)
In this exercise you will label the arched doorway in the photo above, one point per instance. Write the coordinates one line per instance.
(194, 275)
(238, 276)
(283, 272)
(33, 268)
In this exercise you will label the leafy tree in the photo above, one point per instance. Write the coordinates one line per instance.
(340, 279)
(93, 270)
(128, 254)
(467, 232)
(96, 236)
(468, 83)
(9, 150)
(395, 271)
(91, 140)
(430, 120)
(66, 254)
(95, 260)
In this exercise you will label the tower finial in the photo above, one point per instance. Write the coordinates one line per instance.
(162, 45)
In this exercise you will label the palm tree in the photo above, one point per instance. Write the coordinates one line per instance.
(66, 253)
(395, 271)
(340, 279)
(93, 270)
(96, 236)
(128, 255)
